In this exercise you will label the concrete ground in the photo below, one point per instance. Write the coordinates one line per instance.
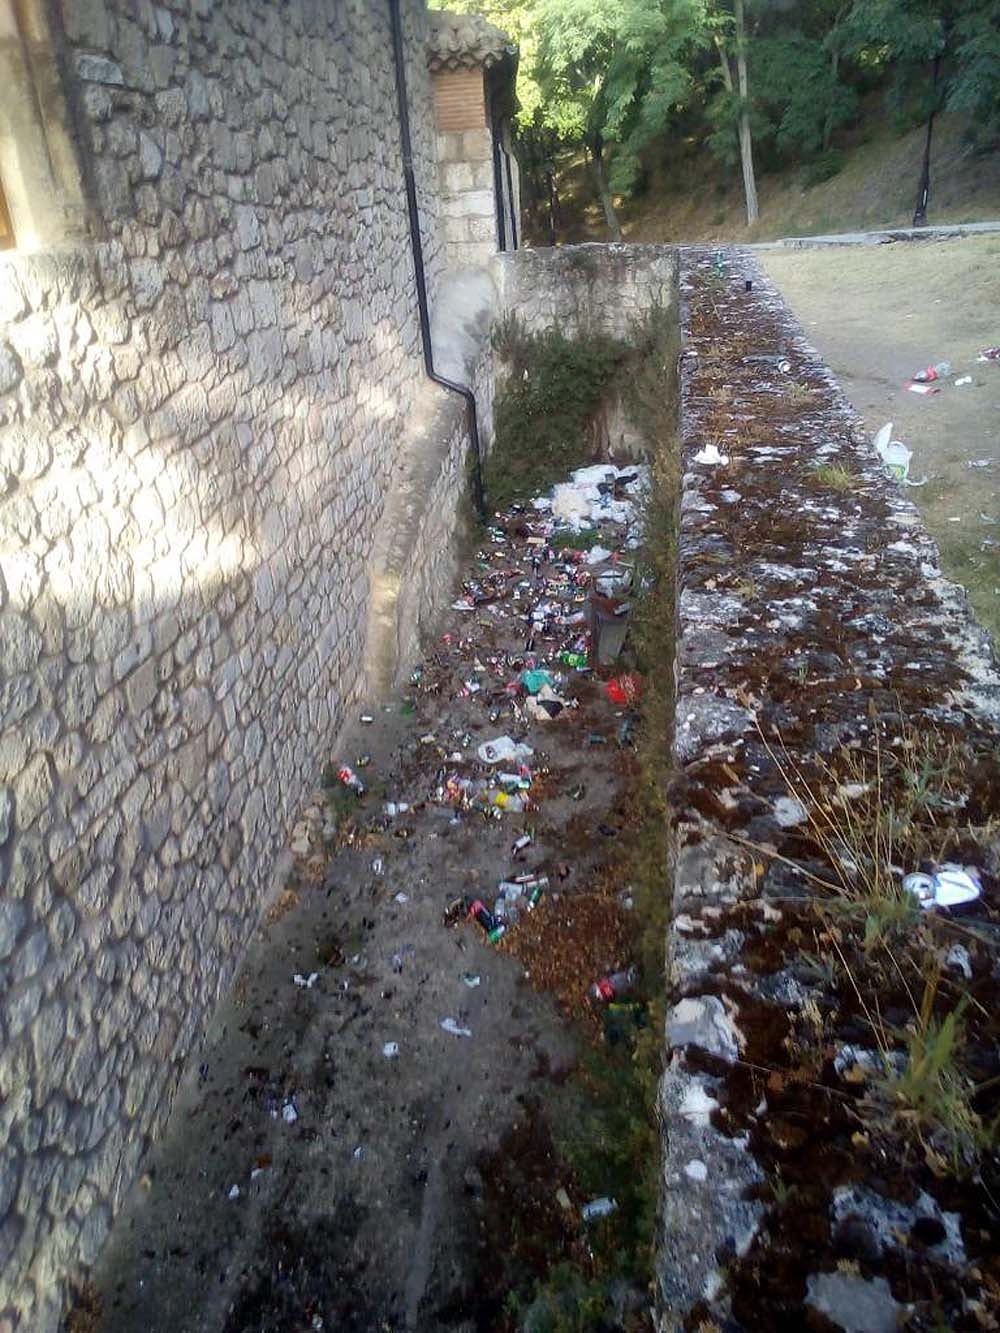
(878, 315)
(321, 1166)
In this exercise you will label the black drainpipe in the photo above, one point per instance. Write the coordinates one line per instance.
(417, 247)
(510, 197)
(497, 177)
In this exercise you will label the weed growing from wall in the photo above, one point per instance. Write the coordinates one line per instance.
(543, 414)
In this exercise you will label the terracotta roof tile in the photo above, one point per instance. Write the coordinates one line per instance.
(463, 41)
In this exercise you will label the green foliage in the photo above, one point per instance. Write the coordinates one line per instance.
(615, 71)
(907, 36)
(836, 476)
(799, 94)
(975, 85)
(930, 1095)
(553, 389)
(823, 168)
(635, 80)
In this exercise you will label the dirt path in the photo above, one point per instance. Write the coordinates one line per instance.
(312, 1175)
(877, 316)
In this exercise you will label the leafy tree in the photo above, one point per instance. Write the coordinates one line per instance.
(612, 73)
(800, 98)
(943, 54)
(732, 110)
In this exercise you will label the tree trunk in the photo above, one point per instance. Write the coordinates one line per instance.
(828, 122)
(553, 201)
(924, 190)
(604, 193)
(743, 128)
(746, 142)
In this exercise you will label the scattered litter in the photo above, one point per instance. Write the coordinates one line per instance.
(951, 886)
(614, 986)
(289, 1112)
(851, 791)
(390, 1050)
(940, 371)
(597, 555)
(471, 979)
(563, 1200)
(546, 705)
(453, 1026)
(350, 779)
(378, 865)
(358, 1153)
(625, 689)
(895, 456)
(367, 718)
(503, 749)
(789, 812)
(957, 958)
(962, 380)
(696, 1170)
(710, 454)
(536, 680)
(990, 354)
(234, 1192)
(308, 982)
(479, 912)
(401, 898)
(980, 463)
(923, 389)
(602, 1207)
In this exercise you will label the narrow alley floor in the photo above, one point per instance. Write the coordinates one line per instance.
(335, 1158)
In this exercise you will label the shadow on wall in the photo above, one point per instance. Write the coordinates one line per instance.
(182, 627)
(199, 423)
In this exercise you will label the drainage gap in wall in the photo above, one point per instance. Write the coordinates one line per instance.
(593, 1135)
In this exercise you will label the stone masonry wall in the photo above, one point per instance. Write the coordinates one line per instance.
(199, 413)
(587, 288)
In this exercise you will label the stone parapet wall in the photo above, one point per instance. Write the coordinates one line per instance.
(582, 289)
(200, 413)
(812, 615)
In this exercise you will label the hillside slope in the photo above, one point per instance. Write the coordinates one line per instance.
(697, 200)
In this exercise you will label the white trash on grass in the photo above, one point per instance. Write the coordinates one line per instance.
(453, 1026)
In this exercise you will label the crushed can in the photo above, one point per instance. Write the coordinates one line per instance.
(479, 912)
(614, 985)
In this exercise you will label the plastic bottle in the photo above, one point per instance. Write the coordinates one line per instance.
(602, 1207)
(939, 371)
(577, 660)
(614, 986)
(350, 779)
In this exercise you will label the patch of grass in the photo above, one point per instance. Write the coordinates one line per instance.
(930, 1095)
(835, 476)
(823, 168)
(868, 811)
(553, 390)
